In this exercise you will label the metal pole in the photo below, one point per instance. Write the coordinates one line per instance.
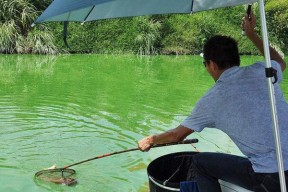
(272, 98)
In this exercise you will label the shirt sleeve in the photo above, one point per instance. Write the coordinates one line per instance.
(200, 117)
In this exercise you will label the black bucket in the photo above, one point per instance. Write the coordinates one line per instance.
(167, 172)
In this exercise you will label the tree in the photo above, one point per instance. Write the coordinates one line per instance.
(40, 5)
(16, 17)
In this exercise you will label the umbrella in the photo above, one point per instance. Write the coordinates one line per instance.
(89, 10)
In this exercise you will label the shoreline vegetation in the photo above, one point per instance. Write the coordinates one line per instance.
(177, 34)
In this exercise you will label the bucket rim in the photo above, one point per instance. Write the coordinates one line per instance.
(172, 154)
(163, 186)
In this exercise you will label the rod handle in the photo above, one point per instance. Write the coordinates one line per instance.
(186, 141)
(189, 141)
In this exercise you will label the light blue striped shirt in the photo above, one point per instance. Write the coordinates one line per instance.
(239, 105)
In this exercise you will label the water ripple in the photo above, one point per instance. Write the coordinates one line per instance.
(64, 111)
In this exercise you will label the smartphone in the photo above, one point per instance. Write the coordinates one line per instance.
(249, 8)
(249, 11)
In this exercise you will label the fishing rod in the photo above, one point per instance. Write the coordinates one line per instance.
(187, 141)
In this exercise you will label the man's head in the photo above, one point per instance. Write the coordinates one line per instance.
(223, 51)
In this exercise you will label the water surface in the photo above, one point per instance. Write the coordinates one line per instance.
(68, 108)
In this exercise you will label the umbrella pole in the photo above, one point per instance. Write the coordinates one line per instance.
(272, 98)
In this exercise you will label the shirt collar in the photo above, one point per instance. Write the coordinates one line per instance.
(227, 73)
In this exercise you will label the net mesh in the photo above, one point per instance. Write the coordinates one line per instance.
(59, 176)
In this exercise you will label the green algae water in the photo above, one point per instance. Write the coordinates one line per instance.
(64, 109)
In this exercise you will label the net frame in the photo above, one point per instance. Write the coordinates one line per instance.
(58, 176)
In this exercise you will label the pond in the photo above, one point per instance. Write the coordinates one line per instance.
(68, 108)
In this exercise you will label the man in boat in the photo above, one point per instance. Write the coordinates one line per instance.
(239, 105)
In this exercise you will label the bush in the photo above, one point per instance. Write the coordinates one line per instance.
(164, 34)
(16, 35)
(277, 13)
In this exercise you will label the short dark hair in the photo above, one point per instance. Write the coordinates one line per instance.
(223, 50)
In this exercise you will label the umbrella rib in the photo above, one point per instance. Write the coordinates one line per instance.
(69, 14)
(89, 13)
(192, 4)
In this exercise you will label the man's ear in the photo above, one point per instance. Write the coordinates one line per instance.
(214, 66)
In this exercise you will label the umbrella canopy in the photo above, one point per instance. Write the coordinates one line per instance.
(89, 10)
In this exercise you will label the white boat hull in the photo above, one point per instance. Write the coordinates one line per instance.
(229, 187)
